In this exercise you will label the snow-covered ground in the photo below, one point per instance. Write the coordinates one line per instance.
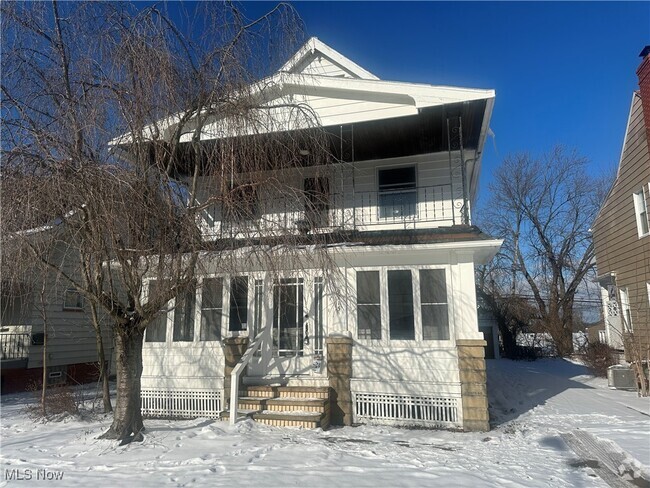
(532, 403)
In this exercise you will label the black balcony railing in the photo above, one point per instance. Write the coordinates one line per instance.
(425, 206)
(14, 345)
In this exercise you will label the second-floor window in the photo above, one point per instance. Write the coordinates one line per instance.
(243, 204)
(641, 211)
(397, 192)
(317, 201)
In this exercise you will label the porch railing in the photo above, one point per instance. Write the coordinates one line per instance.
(15, 345)
(407, 208)
(264, 334)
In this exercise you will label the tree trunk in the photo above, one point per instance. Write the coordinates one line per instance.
(101, 356)
(103, 375)
(127, 420)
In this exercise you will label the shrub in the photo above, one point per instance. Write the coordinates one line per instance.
(598, 357)
(60, 401)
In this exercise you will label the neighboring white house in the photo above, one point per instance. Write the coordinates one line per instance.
(403, 345)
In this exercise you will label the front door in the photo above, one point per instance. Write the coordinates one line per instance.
(288, 317)
(295, 344)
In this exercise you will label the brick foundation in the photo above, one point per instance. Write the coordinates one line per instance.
(339, 371)
(473, 381)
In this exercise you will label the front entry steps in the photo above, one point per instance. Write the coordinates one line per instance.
(285, 406)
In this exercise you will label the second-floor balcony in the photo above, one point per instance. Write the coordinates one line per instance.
(322, 212)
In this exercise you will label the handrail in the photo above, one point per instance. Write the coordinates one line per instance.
(237, 370)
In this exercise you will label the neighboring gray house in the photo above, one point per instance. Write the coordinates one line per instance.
(71, 345)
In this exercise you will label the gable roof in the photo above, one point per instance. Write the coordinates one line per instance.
(317, 58)
(337, 92)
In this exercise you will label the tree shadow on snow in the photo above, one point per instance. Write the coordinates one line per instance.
(515, 387)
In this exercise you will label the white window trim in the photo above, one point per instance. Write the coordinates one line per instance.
(626, 312)
(417, 309)
(641, 207)
(416, 190)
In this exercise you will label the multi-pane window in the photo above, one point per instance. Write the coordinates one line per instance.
(72, 300)
(368, 305)
(211, 309)
(407, 315)
(625, 309)
(641, 211)
(433, 297)
(238, 303)
(157, 328)
(184, 317)
(400, 305)
(397, 192)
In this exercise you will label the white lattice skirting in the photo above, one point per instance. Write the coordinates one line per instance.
(407, 409)
(181, 403)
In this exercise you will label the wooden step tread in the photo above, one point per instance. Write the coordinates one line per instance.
(295, 415)
(297, 401)
(283, 389)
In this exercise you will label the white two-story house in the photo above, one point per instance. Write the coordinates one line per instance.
(387, 331)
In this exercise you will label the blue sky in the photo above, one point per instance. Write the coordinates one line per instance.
(563, 72)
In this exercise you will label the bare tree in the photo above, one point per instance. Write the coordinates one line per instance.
(132, 131)
(543, 209)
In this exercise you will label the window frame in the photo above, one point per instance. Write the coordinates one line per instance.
(417, 308)
(244, 205)
(387, 191)
(168, 318)
(626, 311)
(641, 212)
(80, 301)
(247, 302)
(200, 308)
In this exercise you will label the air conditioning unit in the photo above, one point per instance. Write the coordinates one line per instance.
(621, 377)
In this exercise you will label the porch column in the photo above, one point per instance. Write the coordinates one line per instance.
(233, 349)
(339, 371)
(473, 384)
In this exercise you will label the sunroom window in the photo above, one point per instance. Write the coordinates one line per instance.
(400, 305)
(211, 309)
(397, 192)
(433, 295)
(368, 305)
(184, 317)
(157, 328)
(238, 303)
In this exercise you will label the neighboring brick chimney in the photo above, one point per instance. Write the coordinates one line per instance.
(643, 72)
